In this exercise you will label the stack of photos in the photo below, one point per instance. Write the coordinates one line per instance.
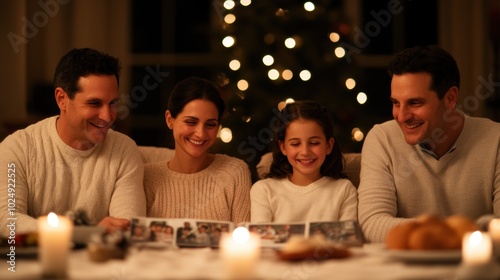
(182, 233)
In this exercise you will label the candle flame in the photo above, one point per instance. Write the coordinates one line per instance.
(475, 238)
(52, 219)
(241, 235)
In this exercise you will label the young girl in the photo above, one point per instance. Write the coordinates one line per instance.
(306, 181)
(195, 183)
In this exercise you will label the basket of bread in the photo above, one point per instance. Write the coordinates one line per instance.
(429, 232)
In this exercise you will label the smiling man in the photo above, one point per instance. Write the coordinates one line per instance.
(432, 158)
(74, 161)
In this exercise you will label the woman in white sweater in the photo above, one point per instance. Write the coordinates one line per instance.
(195, 183)
(307, 182)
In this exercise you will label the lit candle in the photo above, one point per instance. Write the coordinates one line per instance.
(54, 244)
(494, 232)
(476, 248)
(240, 251)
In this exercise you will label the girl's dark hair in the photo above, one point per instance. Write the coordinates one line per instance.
(305, 110)
(194, 88)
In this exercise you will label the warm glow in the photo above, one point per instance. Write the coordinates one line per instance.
(334, 37)
(287, 75)
(475, 238)
(357, 134)
(309, 6)
(269, 38)
(305, 75)
(241, 235)
(242, 85)
(228, 41)
(234, 64)
(350, 83)
(362, 97)
(290, 43)
(273, 74)
(229, 4)
(226, 135)
(245, 2)
(339, 52)
(229, 18)
(52, 219)
(289, 100)
(281, 105)
(268, 60)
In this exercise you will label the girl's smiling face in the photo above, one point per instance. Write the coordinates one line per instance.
(306, 147)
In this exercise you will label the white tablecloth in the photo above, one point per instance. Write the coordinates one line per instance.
(366, 263)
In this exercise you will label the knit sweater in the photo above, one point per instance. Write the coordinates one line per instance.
(50, 176)
(400, 181)
(219, 192)
(327, 199)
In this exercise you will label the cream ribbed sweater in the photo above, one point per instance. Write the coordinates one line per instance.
(400, 181)
(219, 192)
(327, 199)
(50, 176)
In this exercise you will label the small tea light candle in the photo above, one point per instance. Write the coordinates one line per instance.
(494, 232)
(240, 252)
(54, 244)
(476, 248)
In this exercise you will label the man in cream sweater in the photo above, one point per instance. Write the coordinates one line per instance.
(432, 158)
(74, 161)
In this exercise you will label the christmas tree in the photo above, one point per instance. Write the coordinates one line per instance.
(279, 50)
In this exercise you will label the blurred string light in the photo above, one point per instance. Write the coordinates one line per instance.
(234, 64)
(289, 100)
(268, 60)
(245, 2)
(229, 18)
(287, 75)
(350, 83)
(226, 135)
(339, 52)
(228, 41)
(281, 105)
(290, 43)
(305, 75)
(357, 134)
(229, 4)
(361, 97)
(242, 85)
(273, 74)
(334, 37)
(309, 6)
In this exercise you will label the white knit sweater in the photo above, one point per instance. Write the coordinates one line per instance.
(219, 192)
(327, 199)
(50, 176)
(400, 181)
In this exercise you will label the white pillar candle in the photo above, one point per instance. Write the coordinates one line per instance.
(54, 235)
(476, 248)
(240, 252)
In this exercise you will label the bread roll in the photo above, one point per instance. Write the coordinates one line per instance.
(397, 237)
(429, 232)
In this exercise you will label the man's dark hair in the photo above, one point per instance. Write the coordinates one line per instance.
(82, 63)
(435, 61)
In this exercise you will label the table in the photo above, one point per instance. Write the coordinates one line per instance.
(366, 263)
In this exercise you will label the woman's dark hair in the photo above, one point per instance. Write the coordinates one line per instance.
(305, 110)
(194, 88)
(84, 62)
(433, 60)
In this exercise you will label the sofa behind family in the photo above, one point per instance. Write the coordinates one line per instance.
(352, 161)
